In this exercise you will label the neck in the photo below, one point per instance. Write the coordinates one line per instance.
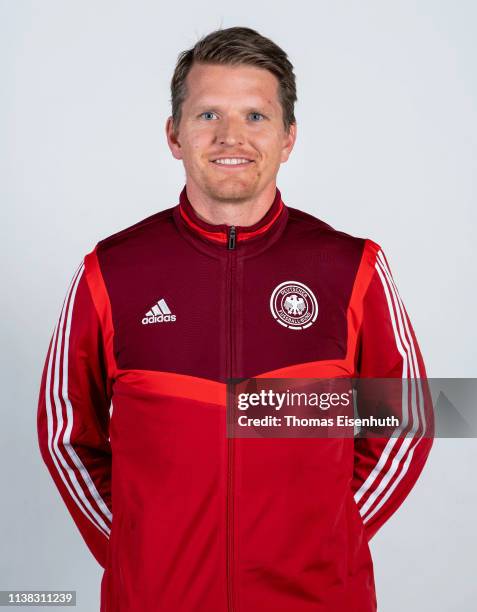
(242, 213)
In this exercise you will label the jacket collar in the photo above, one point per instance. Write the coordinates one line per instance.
(219, 235)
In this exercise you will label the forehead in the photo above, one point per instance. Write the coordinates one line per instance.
(211, 83)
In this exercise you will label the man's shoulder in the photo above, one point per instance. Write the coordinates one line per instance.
(142, 230)
(306, 226)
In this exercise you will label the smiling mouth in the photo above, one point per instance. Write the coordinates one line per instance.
(232, 162)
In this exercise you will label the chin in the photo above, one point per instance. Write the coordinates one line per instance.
(231, 190)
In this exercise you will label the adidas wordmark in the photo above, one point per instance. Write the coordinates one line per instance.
(159, 313)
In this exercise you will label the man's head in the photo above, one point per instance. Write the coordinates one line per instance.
(233, 97)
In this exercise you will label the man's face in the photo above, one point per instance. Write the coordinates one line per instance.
(231, 113)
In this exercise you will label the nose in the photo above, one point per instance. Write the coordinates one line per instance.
(230, 133)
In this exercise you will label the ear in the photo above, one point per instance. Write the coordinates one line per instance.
(173, 139)
(288, 142)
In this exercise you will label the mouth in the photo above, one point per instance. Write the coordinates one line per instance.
(232, 162)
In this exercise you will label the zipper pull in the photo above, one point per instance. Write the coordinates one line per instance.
(232, 237)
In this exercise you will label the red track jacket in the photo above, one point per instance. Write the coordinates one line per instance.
(131, 414)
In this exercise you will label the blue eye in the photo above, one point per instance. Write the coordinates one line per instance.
(207, 115)
(255, 115)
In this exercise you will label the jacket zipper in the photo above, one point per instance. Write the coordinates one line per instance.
(232, 237)
(230, 441)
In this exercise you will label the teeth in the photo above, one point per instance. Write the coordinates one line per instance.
(231, 161)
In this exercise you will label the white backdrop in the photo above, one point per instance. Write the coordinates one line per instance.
(387, 138)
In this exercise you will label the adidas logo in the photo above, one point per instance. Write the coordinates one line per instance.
(159, 313)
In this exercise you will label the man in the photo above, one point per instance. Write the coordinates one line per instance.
(158, 318)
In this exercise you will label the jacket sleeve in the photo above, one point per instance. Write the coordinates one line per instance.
(386, 469)
(73, 416)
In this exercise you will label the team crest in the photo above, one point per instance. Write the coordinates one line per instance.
(294, 305)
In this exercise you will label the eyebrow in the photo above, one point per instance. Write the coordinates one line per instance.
(216, 108)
